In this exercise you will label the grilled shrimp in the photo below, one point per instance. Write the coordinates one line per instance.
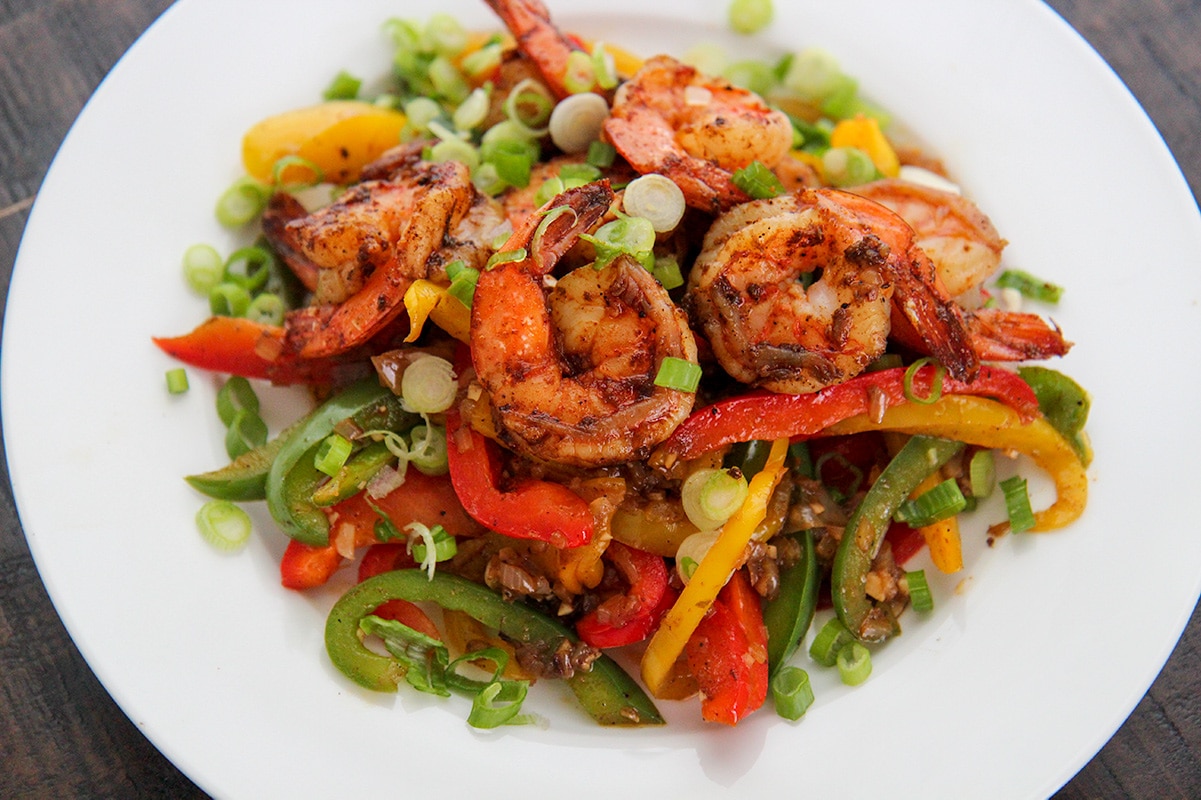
(367, 248)
(966, 250)
(569, 371)
(697, 130)
(767, 328)
(538, 38)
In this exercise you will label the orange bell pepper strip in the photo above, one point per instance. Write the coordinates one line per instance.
(986, 423)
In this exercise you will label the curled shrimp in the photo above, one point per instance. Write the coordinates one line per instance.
(768, 328)
(965, 248)
(697, 130)
(570, 371)
(363, 251)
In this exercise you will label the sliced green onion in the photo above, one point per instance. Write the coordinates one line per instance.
(935, 385)
(529, 106)
(686, 566)
(679, 374)
(177, 380)
(428, 449)
(268, 309)
(444, 34)
(601, 154)
(982, 473)
(498, 704)
(1030, 286)
(919, 591)
(315, 173)
(709, 58)
(791, 692)
(576, 121)
(249, 267)
(513, 159)
(815, 74)
(203, 267)
(235, 395)
(344, 86)
(223, 524)
(482, 62)
(428, 385)
(447, 80)
(604, 67)
(941, 502)
(656, 198)
(332, 454)
(754, 76)
(551, 188)
(579, 74)
(242, 202)
(632, 236)
(420, 112)
(667, 272)
(472, 112)
(750, 16)
(711, 496)
(757, 181)
(576, 175)
(462, 282)
(229, 300)
(829, 641)
(854, 662)
(506, 257)
(1017, 504)
(430, 546)
(692, 552)
(848, 166)
(455, 149)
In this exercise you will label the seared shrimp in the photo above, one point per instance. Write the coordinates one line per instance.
(959, 238)
(768, 329)
(368, 248)
(569, 371)
(537, 37)
(697, 130)
(966, 249)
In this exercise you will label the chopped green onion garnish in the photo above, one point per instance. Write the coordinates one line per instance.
(242, 202)
(462, 282)
(203, 267)
(676, 373)
(758, 181)
(235, 394)
(943, 501)
(529, 106)
(332, 454)
(576, 121)
(482, 62)
(249, 267)
(687, 566)
(513, 159)
(604, 67)
(314, 173)
(420, 112)
(229, 300)
(791, 692)
(429, 385)
(472, 112)
(579, 74)
(267, 309)
(657, 198)
(550, 188)
(1030, 286)
(935, 384)
(223, 524)
(634, 236)
(429, 546)
(447, 81)
(344, 86)
(711, 496)
(982, 473)
(919, 591)
(498, 704)
(427, 452)
(848, 166)
(832, 637)
(177, 380)
(1017, 504)
(854, 663)
(601, 154)
(750, 16)
(507, 256)
(752, 75)
(667, 272)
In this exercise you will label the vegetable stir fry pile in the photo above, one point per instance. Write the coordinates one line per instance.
(662, 357)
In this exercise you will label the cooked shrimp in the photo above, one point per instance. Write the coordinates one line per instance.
(369, 247)
(768, 329)
(537, 37)
(966, 250)
(569, 371)
(959, 237)
(697, 130)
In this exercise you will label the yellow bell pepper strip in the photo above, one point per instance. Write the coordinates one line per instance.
(986, 423)
(425, 299)
(864, 133)
(711, 575)
(865, 530)
(942, 537)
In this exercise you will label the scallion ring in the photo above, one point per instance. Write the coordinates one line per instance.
(656, 198)
(935, 383)
(854, 662)
(242, 202)
(203, 268)
(791, 692)
(223, 524)
(711, 496)
(428, 385)
(575, 123)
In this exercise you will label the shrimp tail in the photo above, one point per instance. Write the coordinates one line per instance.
(1000, 335)
(918, 304)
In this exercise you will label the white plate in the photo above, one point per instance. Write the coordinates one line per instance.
(1006, 690)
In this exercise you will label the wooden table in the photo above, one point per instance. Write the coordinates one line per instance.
(60, 733)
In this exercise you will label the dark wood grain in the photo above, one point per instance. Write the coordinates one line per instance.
(60, 733)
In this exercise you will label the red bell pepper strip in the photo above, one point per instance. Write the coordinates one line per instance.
(239, 346)
(727, 654)
(385, 557)
(530, 509)
(648, 597)
(305, 566)
(767, 415)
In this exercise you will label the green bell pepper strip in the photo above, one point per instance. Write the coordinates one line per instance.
(1064, 403)
(353, 476)
(865, 530)
(790, 613)
(607, 693)
(292, 478)
(245, 478)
